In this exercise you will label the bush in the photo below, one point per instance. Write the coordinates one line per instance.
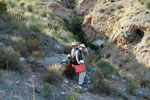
(105, 67)
(1, 75)
(118, 18)
(75, 25)
(36, 27)
(9, 59)
(100, 85)
(26, 47)
(54, 76)
(72, 96)
(142, 1)
(30, 8)
(111, 0)
(148, 5)
(102, 10)
(3, 6)
(132, 86)
(70, 4)
(146, 2)
(46, 90)
(120, 7)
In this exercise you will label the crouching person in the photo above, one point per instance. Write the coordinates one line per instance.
(80, 60)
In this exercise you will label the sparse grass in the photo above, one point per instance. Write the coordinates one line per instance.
(72, 96)
(46, 89)
(54, 76)
(132, 86)
(9, 59)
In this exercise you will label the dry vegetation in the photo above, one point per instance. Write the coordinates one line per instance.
(54, 74)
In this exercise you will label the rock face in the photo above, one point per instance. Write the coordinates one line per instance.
(83, 6)
(59, 10)
(126, 23)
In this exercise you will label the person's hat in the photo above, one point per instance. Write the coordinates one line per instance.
(74, 43)
(82, 45)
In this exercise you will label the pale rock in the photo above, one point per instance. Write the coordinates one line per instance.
(98, 43)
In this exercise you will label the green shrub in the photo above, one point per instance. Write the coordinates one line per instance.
(148, 4)
(132, 86)
(100, 85)
(75, 25)
(120, 7)
(102, 10)
(34, 47)
(70, 4)
(36, 27)
(9, 59)
(3, 6)
(72, 96)
(70, 35)
(46, 89)
(148, 42)
(105, 67)
(118, 18)
(1, 75)
(142, 1)
(66, 49)
(54, 75)
(111, 0)
(30, 8)
(91, 9)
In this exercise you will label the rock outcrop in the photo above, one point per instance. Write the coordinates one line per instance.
(84, 6)
(126, 23)
(59, 10)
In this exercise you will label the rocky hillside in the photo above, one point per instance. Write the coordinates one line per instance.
(36, 36)
(126, 23)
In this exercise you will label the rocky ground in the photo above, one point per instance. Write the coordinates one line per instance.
(27, 85)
